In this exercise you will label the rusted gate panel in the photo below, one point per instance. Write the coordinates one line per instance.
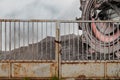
(69, 70)
(4, 69)
(113, 70)
(91, 70)
(39, 70)
(27, 69)
(83, 70)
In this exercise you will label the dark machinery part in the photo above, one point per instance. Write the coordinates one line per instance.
(105, 37)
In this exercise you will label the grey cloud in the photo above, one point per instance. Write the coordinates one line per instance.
(41, 9)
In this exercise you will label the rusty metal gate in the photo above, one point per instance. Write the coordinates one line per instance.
(79, 58)
(42, 49)
(27, 49)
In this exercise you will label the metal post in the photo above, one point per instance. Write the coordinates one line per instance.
(0, 36)
(57, 49)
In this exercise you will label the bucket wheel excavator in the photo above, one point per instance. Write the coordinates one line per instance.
(103, 38)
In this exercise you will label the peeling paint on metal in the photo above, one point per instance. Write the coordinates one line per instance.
(52, 69)
(4, 69)
(113, 70)
(91, 70)
(32, 70)
(86, 70)
(69, 71)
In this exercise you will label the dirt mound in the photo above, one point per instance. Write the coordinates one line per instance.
(71, 49)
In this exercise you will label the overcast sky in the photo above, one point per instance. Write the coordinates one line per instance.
(39, 9)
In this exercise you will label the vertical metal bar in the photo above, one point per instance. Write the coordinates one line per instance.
(69, 41)
(0, 38)
(51, 42)
(28, 33)
(0, 35)
(104, 48)
(57, 50)
(103, 43)
(109, 43)
(28, 25)
(65, 55)
(96, 55)
(113, 41)
(74, 56)
(37, 41)
(118, 42)
(46, 41)
(91, 54)
(5, 34)
(87, 46)
(5, 41)
(99, 53)
(41, 56)
(100, 49)
(10, 38)
(23, 35)
(19, 37)
(78, 58)
(118, 39)
(82, 56)
(101, 56)
(104, 55)
(33, 40)
(14, 37)
(88, 53)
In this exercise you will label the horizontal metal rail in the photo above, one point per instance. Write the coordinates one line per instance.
(61, 21)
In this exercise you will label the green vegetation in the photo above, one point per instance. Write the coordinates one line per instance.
(54, 78)
(26, 78)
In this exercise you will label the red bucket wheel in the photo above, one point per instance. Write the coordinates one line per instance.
(103, 34)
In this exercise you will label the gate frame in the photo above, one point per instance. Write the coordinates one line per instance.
(58, 62)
